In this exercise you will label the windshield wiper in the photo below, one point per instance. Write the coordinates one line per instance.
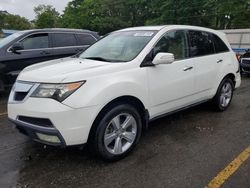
(98, 59)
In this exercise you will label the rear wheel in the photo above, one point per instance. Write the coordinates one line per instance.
(224, 95)
(117, 132)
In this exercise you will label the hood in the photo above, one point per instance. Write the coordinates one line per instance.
(63, 70)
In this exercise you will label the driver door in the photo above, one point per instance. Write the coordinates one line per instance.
(36, 49)
(171, 86)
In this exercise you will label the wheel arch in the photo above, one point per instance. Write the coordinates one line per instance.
(231, 76)
(127, 99)
(216, 98)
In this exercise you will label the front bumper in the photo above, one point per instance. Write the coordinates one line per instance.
(71, 125)
(47, 119)
(245, 70)
(34, 131)
(245, 67)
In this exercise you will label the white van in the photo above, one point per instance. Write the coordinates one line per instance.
(107, 95)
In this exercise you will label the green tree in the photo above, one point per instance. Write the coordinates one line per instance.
(103, 15)
(46, 17)
(216, 14)
(92, 14)
(191, 12)
(10, 21)
(72, 17)
(107, 15)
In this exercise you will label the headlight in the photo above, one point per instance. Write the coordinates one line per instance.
(58, 92)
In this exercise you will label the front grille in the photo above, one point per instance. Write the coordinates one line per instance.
(43, 122)
(247, 69)
(19, 96)
(245, 61)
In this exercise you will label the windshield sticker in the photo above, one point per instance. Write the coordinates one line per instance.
(144, 34)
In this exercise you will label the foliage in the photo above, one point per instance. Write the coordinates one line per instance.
(228, 14)
(105, 16)
(46, 17)
(108, 15)
(9, 21)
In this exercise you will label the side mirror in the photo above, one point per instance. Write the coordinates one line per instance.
(163, 58)
(16, 47)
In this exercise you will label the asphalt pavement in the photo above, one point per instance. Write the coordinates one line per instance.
(184, 150)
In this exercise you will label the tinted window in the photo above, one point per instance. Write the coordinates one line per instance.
(173, 42)
(85, 39)
(64, 39)
(220, 46)
(36, 41)
(200, 43)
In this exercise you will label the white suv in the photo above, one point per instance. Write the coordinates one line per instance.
(107, 95)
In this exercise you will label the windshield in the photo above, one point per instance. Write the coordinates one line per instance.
(119, 46)
(10, 38)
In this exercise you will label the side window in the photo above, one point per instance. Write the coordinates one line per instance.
(64, 39)
(173, 42)
(85, 39)
(220, 46)
(200, 43)
(36, 41)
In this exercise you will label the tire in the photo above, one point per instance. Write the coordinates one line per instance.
(113, 139)
(224, 95)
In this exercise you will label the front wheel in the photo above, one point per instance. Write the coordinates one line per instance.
(117, 132)
(224, 95)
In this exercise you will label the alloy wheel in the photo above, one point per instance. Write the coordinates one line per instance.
(226, 94)
(120, 133)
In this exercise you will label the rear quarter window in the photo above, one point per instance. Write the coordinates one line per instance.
(85, 39)
(220, 46)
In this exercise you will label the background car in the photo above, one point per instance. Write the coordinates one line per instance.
(25, 48)
(245, 62)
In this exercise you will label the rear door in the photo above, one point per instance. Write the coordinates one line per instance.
(206, 61)
(209, 54)
(64, 44)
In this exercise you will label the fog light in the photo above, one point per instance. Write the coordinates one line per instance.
(48, 138)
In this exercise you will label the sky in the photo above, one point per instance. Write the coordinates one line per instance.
(25, 7)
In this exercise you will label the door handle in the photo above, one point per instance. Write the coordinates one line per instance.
(219, 61)
(187, 68)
